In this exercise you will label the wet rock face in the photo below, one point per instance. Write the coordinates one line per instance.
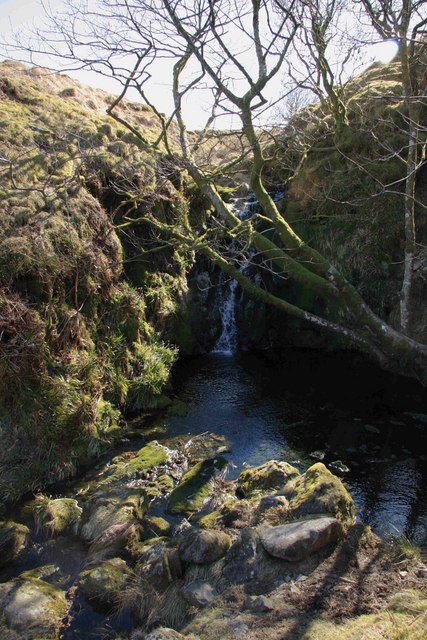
(14, 538)
(204, 547)
(298, 540)
(33, 607)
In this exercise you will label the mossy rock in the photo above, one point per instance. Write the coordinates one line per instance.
(33, 608)
(103, 583)
(14, 538)
(153, 527)
(159, 565)
(204, 546)
(54, 517)
(319, 491)
(195, 486)
(267, 478)
(111, 506)
(134, 467)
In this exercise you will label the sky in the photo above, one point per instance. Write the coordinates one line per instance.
(18, 14)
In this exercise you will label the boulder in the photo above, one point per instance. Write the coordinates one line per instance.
(32, 607)
(199, 593)
(239, 563)
(153, 527)
(298, 540)
(14, 538)
(195, 486)
(204, 546)
(159, 565)
(103, 583)
(319, 491)
(272, 475)
(116, 505)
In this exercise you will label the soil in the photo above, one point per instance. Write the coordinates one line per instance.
(359, 577)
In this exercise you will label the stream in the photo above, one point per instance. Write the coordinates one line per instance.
(311, 406)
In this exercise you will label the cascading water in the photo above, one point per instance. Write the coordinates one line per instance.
(228, 341)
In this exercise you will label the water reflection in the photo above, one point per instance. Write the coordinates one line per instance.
(335, 404)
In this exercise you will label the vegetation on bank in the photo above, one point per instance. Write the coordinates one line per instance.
(80, 343)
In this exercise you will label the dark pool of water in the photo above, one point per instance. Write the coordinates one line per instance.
(375, 423)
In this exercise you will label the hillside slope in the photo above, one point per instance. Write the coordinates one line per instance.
(79, 342)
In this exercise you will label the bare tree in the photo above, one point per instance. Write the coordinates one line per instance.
(232, 49)
(405, 21)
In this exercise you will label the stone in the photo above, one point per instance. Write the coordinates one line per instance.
(265, 478)
(204, 546)
(238, 628)
(258, 604)
(199, 593)
(160, 565)
(153, 526)
(339, 466)
(318, 491)
(240, 559)
(298, 540)
(14, 538)
(116, 505)
(32, 604)
(195, 486)
(103, 583)
(272, 502)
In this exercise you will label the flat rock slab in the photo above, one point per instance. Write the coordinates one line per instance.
(204, 547)
(298, 540)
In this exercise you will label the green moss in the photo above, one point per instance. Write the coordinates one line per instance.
(210, 520)
(103, 584)
(54, 517)
(138, 466)
(267, 478)
(195, 486)
(84, 343)
(154, 527)
(319, 491)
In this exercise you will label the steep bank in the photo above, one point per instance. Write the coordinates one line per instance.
(83, 302)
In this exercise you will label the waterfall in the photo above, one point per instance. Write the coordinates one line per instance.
(228, 341)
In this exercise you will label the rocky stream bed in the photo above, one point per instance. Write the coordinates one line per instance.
(158, 544)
